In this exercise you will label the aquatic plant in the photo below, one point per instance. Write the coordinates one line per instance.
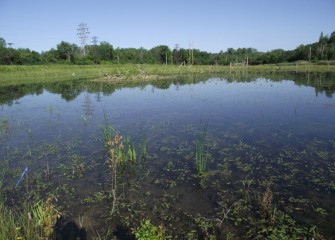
(281, 225)
(130, 150)
(115, 156)
(4, 127)
(45, 216)
(143, 147)
(206, 227)
(75, 168)
(200, 153)
(118, 154)
(50, 108)
(148, 231)
(35, 220)
(267, 200)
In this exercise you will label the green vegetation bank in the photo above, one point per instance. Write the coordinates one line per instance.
(68, 53)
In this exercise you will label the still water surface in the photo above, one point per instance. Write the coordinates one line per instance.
(260, 135)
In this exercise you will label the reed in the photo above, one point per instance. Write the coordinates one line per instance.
(143, 146)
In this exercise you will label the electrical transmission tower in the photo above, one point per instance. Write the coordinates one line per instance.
(83, 35)
(95, 40)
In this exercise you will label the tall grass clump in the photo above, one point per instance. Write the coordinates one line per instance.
(143, 147)
(31, 221)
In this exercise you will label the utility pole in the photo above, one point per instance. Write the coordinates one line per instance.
(83, 35)
(94, 49)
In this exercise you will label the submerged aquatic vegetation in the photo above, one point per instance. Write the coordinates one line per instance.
(75, 168)
(267, 200)
(4, 127)
(200, 153)
(50, 108)
(166, 191)
(148, 231)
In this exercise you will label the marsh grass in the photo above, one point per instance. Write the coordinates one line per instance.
(143, 147)
(32, 221)
(12, 75)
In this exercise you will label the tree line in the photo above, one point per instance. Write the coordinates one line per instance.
(69, 53)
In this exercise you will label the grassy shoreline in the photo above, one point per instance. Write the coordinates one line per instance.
(117, 73)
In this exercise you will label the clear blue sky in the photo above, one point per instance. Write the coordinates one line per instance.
(212, 25)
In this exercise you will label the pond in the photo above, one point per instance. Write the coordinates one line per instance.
(266, 147)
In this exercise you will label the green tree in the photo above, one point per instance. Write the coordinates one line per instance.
(131, 55)
(332, 38)
(201, 57)
(3, 43)
(50, 56)
(9, 56)
(331, 47)
(183, 55)
(67, 51)
(26, 56)
(161, 54)
(105, 51)
(323, 43)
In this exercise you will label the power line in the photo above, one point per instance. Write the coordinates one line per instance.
(83, 35)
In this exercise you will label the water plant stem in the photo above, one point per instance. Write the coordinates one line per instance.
(117, 154)
(200, 153)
